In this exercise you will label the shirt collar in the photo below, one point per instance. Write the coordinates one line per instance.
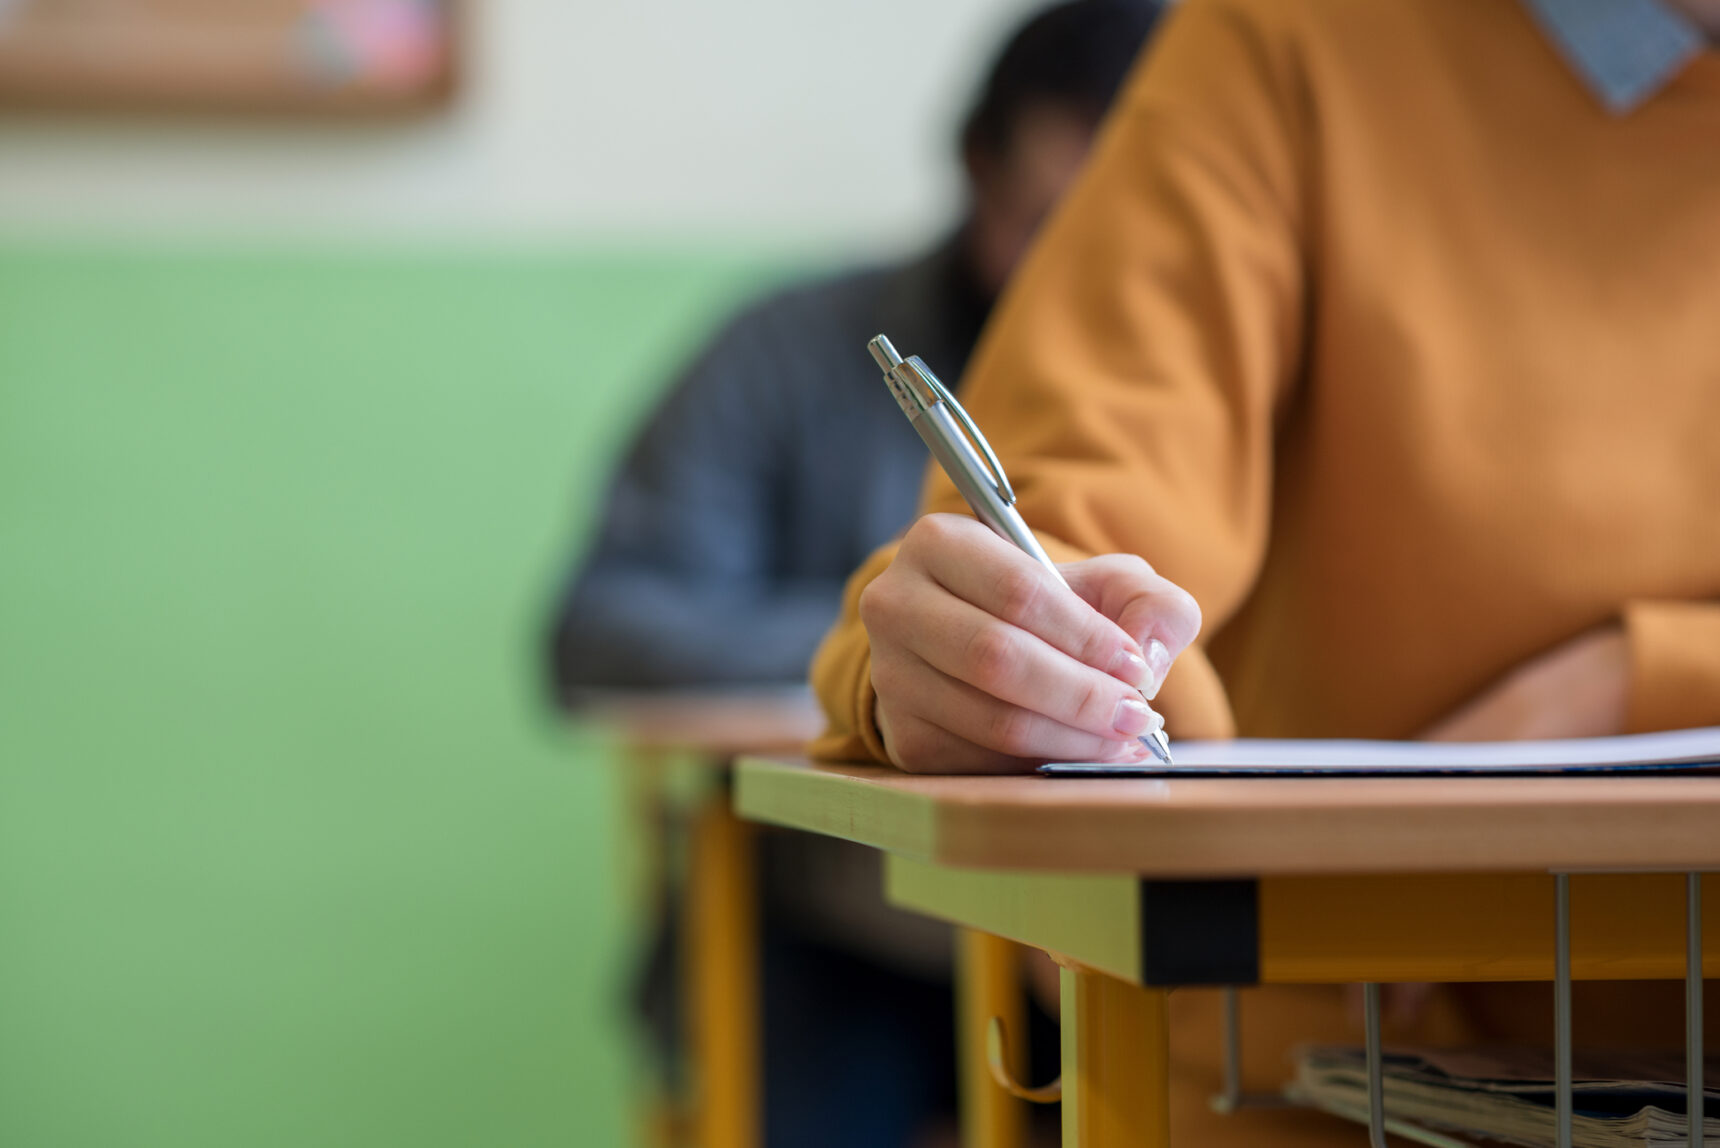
(1624, 50)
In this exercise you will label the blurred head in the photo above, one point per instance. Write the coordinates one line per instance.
(1030, 129)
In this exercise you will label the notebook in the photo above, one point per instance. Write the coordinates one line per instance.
(1677, 751)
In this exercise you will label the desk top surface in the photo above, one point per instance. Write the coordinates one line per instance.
(716, 723)
(1249, 826)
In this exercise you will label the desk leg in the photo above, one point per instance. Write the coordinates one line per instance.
(988, 984)
(1116, 1063)
(722, 977)
(1694, 1061)
(661, 1119)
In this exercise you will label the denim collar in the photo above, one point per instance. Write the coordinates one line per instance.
(1624, 50)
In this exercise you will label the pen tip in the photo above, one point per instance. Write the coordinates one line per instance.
(884, 353)
(1159, 744)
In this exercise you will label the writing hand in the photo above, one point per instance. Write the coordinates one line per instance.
(983, 662)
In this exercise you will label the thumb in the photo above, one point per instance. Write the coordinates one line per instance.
(1157, 613)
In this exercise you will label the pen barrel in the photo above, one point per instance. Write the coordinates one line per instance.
(938, 430)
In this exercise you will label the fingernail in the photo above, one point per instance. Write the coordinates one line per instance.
(1158, 664)
(1131, 668)
(1128, 751)
(1133, 717)
(1119, 751)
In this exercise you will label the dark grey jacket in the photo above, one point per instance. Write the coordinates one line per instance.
(777, 464)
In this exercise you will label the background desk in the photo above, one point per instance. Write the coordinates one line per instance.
(1140, 885)
(681, 743)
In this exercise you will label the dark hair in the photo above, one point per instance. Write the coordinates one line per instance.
(1076, 54)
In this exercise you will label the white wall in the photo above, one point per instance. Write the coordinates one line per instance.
(787, 121)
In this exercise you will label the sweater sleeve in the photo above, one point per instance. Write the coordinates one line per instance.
(1133, 375)
(1674, 665)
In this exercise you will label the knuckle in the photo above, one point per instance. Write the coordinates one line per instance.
(1134, 564)
(1124, 567)
(990, 657)
(878, 602)
(911, 549)
(1013, 732)
(869, 604)
(1095, 705)
(1102, 643)
(931, 530)
(1018, 591)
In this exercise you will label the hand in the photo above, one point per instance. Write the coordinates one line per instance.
(1577, 689)
(983, 662)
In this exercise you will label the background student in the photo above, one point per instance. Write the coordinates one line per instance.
(778, 462)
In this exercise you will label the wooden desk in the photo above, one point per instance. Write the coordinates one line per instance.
(697, 734)
(1140, 885)
(713, 724)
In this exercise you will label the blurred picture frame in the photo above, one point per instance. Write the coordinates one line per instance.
(287, 57)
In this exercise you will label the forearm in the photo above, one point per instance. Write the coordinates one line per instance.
(1674, 665)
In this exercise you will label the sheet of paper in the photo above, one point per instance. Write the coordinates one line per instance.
(1685, 748)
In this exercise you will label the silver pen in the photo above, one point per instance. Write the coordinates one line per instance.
(958, 446)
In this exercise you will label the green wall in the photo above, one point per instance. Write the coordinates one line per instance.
(290, 853)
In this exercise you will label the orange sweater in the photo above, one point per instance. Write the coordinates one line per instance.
(1370, 328)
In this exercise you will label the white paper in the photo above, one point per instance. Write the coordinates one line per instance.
(1677, 747)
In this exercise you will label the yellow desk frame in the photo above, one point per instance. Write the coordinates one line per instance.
(1457, 900)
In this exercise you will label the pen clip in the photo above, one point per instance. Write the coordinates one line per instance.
(1004, 490)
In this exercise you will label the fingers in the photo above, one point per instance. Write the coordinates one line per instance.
(978, 567)
(1156, 613)
(1007, 664)
(975, 718)
(918, 746)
